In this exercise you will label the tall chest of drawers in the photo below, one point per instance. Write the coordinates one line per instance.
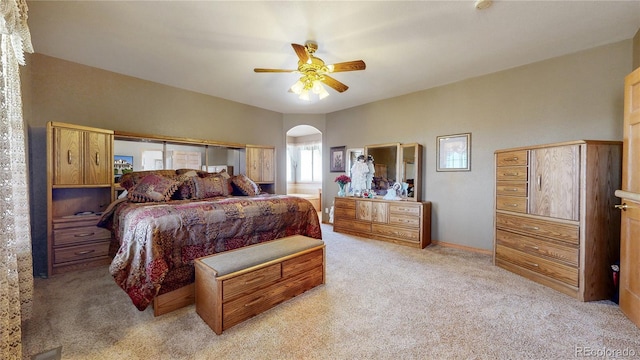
(402, 222)
(555, 221)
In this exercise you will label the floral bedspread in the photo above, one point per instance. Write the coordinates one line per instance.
(159, 241)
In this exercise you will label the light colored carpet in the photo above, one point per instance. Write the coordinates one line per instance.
(381, 301)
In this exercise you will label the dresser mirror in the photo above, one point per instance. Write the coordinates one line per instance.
(411, 169)
(396, 162)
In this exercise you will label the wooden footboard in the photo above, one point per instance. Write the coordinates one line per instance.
(174, 300)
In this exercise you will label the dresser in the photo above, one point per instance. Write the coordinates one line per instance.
(79, 188)
(555, 221)
(401, 222)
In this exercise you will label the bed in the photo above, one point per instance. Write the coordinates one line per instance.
(158, 234)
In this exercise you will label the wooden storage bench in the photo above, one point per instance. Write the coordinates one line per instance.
(235, 285)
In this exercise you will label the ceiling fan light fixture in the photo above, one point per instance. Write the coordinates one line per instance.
(297, 87)
(304, 95)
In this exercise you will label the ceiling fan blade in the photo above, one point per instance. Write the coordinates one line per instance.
(258, 70)
(301, 51)
(348, 66)
(337, 85)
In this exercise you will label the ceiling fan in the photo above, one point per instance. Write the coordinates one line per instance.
(315, 72)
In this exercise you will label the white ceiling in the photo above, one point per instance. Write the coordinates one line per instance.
(211, 47)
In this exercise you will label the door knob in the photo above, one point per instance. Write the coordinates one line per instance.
(622, 207)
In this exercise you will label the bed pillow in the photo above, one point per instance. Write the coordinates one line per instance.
(129, 180)
(211, 186)
(184, 189)
(153, 188)
(244, 186)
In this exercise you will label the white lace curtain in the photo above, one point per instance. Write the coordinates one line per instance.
(16, 266)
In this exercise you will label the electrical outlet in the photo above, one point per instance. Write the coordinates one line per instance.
(326, 210)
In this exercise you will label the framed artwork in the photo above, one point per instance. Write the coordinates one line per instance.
(453, 152)
(122, 164)
(337, 158)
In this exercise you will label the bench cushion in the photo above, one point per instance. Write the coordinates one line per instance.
(235, 260)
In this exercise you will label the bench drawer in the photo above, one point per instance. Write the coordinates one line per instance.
(302, 263)
(251, 281)
(240, 309)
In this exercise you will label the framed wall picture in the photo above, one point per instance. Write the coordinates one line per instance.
(337, 158)
(121, 165)
(453, 152)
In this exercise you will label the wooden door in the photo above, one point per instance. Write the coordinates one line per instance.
(254, 168)
(67, 157)
(268, 171)
(554, 186)
(380, 212)
(364, 210)
(630, 227)
(97, 159)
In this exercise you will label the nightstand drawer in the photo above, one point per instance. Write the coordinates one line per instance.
(70, 236)
(80, 252)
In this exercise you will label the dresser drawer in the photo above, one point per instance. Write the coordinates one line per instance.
(303, 263)
(77, 235)
(555, 251)
(511, 173)
(511, 189)
(511, 203)
(344, 203)
(550, 229)
(396, 232)
(409, 221)
(344, 213)
(404, 209)
(552, 269)
(512, 158)
(80, 252)
(352, 225)
(249, 282)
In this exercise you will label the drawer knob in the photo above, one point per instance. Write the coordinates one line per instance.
(511, 174)
(84, 252)
(84, 234)
(528, 227)
(532, 264)
(251, 303)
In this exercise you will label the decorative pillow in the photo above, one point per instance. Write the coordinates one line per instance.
(129, 180)
(153, 188)
(215, 185)
(184, 189)
(244, 186)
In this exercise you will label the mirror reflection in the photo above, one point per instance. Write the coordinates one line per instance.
(385, 166)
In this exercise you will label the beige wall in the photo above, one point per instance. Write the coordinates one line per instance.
(578, 96)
